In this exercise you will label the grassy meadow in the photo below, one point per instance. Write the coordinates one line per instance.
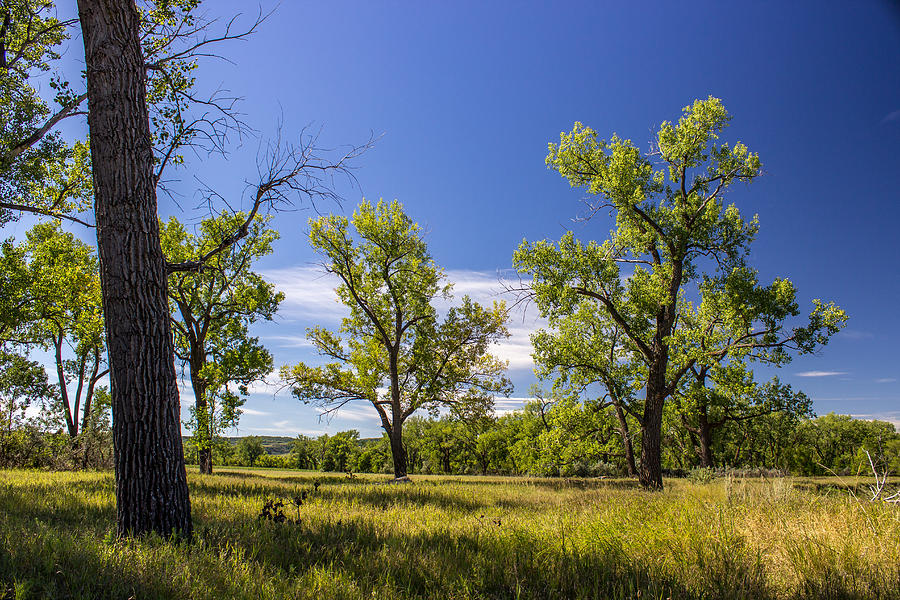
(454, 537)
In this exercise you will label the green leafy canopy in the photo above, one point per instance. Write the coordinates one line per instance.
(394, 349)
(675, 238)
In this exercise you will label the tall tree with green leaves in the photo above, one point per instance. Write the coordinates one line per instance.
(673, 229)
(67, 316)
(212, 311)
(23, 382)
(393, 350)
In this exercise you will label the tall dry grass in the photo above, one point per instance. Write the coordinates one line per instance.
(454, 537)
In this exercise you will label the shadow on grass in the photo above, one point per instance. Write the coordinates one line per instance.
(56, 548)
(60, 546)
(421, 492)
(61, 504)
(306, 477)
(338, 559)
(382, 497)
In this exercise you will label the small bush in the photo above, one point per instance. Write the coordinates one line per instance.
(701, 475)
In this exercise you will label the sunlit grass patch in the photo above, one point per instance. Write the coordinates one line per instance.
(451, 537)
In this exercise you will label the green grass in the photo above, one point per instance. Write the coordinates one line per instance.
(453, 537)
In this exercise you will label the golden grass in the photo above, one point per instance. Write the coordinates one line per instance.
(454, 537)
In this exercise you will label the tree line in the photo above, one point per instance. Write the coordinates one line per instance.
(557, 439)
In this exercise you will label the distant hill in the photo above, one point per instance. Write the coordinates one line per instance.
(278, 444)
(274, 444)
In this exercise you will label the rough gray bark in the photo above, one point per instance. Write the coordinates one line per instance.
(151, 483)
(706, 456)
(204, 459)
(650, 471)
(398, 452)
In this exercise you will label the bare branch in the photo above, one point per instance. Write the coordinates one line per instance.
(195, 50)
(45, 212)
(286, 171)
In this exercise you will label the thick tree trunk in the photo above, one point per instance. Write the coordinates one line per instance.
(650, 472)
(626, 440)
(151, 483)
(204, 459)
(445, 460)
(705, 438)
(398, 452)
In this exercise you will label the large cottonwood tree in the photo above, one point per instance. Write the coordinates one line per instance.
(396, 352)
(673, 229)
(66, 316)
(151, 482)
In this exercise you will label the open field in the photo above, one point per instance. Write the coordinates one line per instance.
(453, 537)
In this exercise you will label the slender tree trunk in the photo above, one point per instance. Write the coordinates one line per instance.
(204, 451)
(204, 458)
(626, 440)
(738, 449)
(203, 431)
(71, 420)
(96, 374)
(151, 482)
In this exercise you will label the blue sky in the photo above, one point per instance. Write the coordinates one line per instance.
(465, 97)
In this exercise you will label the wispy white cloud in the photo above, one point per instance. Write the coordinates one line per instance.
(820, 373)
(517, 348)
(361, 412)
(309, 292)
(267, 388)
(254, 412)
(288, 341)
(886, 380)
(482, 286)
(283, 427)
(890, 417)
(856, 334)
(310, 298)
(486, 287)
(503, 406)
(186, 393)
(891, 116)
